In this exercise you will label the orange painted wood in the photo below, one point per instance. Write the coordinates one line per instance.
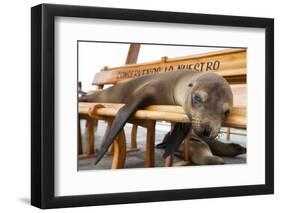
(236, 119)
(119, 156)
(186, 146)
(134, 136)
(133, 54)
(239, 95)
(230, 63)
(90, 136)
(228, 134)
(150, 143)
(132, 58)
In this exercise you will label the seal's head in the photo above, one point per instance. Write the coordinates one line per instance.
(209, 102)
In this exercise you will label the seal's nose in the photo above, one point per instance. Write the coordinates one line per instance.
(207, 131)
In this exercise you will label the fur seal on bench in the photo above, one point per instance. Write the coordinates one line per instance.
(205, 97)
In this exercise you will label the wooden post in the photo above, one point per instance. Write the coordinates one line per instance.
(186, 146)
(228, 134)
(90, 136)
(150, 143)
(134, 137)
(133, 54)
(119, 156)
(132, 57)
(110, 150)
(186, 150)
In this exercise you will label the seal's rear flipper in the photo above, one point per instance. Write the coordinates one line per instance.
(164, 142)
(135, 103)
(176, 137)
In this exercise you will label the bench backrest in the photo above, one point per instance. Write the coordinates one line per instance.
(230, 63)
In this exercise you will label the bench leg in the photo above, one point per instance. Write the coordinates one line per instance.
(119, 156)
(134, 137)
(91, 123)
(150, 143)
(186, 155)
(134, 146)
(186, 150)
(110, 150)
(187, 131)
(228, 134)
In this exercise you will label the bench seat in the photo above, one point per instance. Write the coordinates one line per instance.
(171, 113)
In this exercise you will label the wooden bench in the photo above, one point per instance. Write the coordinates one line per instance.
(230, 63)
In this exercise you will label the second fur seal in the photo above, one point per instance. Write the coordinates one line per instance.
(205, 97)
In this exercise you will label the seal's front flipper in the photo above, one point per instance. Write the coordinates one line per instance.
(176, 137)
(136, 102)
(226, 149)
(201, 154)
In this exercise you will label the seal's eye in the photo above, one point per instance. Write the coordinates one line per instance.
(196, 100)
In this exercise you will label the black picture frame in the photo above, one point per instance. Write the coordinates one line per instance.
(42, 105)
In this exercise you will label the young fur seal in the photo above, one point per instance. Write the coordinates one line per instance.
(205, 97)
(205, 152)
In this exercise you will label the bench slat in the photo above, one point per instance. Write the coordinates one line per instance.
(237, 118)
(230, 63)
(233, 76)
(232, 54)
